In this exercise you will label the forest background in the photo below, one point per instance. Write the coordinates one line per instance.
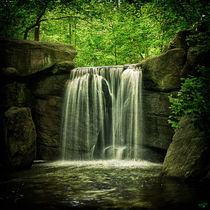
(104, 32)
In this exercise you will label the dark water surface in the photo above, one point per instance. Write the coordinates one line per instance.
(99, 185)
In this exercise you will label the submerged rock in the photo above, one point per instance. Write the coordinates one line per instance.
(21, 137)
(187, 156)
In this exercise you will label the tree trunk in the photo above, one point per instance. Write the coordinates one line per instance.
(115, 54)
(36, 34)
(26, 34)
(70, 32)
(75, 40)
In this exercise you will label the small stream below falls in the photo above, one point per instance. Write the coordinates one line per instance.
(98, 185)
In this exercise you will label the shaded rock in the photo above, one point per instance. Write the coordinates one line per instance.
(179, 41)
(29, 57)
(63, 67)
(162, 72)
(20, 137)
(48, 123)
(187, 156)
(157, 133)
(195, 57)
(50, 85)
(15, 94)
(9, 71)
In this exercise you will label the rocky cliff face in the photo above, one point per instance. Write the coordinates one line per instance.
(161, 77)
(33, 76)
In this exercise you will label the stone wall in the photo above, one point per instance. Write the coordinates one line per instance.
(161, 77)
(33, 76)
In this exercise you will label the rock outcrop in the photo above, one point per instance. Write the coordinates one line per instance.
(20, 137)
(33, 75)
(161, 77)
(29, 57)
(188, 155)
(162, 72)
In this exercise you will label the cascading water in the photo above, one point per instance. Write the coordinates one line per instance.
(102, 114)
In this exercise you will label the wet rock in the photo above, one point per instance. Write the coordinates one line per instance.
(20, 136)
(187, 156)
(29, 57)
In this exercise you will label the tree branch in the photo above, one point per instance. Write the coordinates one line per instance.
(58, 18)
(37, 21)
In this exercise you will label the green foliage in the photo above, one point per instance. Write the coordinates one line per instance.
(104, 32)
(203, 205)
(113, 35)
(201, 40)
(193, 12)
(192, 99)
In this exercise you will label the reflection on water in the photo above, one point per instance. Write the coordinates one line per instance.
(99, 185)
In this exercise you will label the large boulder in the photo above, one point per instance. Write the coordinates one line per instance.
(162, 72)
(20, 137)
(178, 41)
(25, 57)
(188, 155)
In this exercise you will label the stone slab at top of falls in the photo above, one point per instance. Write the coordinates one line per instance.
(29, 57)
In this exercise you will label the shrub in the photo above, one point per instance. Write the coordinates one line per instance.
(192, 99)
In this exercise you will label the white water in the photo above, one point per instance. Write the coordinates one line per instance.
(102, 114)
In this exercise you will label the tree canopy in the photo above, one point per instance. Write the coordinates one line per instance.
(104, 32)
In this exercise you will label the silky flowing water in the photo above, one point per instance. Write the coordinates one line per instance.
(102, 114)
(109, 184)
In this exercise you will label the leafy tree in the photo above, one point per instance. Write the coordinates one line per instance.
(104, 32)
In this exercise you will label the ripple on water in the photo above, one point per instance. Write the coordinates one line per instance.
(107, 184)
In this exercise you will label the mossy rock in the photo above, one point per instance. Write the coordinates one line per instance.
(187, 156)
(29, 57)
(162, 72)
(20, 137)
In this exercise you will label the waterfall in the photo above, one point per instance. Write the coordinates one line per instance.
(102, 114)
